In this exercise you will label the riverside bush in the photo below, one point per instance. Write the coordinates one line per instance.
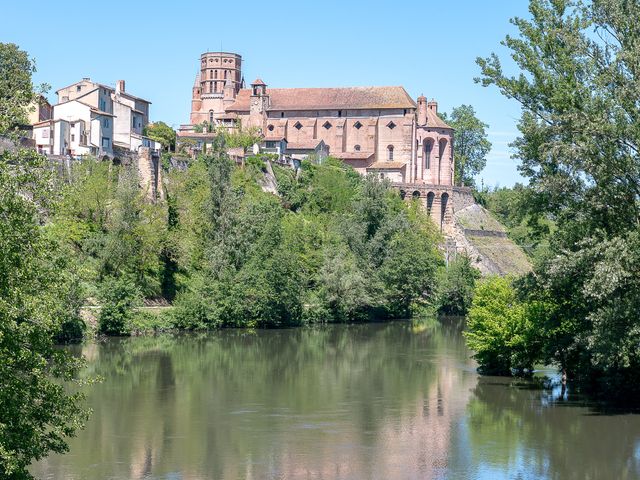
(118, 297)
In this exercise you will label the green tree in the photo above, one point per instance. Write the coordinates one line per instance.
(471, 145)
(579, 147)
(118, 298)
(37, 414)
(409, 270)
(240, 137)
(501, 329)
(16, 89)
(163, 133)
(135, 236)
(455, 286)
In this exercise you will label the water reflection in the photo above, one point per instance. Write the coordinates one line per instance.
(342, 402)
(529, 434)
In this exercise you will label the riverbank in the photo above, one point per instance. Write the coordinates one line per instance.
(151, 320)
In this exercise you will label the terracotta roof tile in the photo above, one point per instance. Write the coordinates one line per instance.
(304, 145)
(387, 165)
(353, 155)
(434, 121)
(355, 98)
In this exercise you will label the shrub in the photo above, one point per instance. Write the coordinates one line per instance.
(118, 296)
(456, 285)
(501, 328)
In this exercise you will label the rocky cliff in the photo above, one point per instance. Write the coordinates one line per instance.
(477, 233)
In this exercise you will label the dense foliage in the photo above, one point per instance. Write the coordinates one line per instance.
(502, 328)
(580, 150)
(163, 133)
(329, 246)
(334, 247)
(37, 298)
(40, 297)
(456, 286)
(16, 89)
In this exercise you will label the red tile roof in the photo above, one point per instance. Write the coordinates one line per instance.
(387, 165)
(353, 155)
(434, 121)
(304, 145)
(353, 98)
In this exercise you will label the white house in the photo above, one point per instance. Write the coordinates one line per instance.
(81, 129)
(130, 114)
(43, 136)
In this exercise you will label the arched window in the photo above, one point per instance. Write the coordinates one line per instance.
(390, 153)
(428, 148)
(215, 73)
(210, 116)
(356, 148)
(225, 73)
(210, 73)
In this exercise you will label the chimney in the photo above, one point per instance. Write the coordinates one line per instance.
(433, 105)
(119, 87)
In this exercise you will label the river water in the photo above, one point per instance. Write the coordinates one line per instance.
(376, 401)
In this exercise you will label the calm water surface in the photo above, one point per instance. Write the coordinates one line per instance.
(381, 401)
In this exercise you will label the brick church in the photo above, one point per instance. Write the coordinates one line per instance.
(379, 130)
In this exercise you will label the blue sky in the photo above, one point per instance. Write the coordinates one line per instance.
(427, 46)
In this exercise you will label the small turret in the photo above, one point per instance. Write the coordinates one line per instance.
(259, 103)
(229, 93)
(196, 100)
(422, 110)
(433, 105)
(258, 88)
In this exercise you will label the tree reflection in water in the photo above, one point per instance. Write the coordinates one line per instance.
(391, 400)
